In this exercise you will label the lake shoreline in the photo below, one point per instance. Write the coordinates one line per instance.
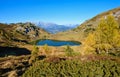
(56, 42)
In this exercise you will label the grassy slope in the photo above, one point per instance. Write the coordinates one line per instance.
(13, 66)
(9, 36)
(85, 28)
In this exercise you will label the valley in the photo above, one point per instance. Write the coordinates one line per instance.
(99, 46)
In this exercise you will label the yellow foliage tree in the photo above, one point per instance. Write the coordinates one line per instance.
(34, 54)
(89, 44)
(105, 38)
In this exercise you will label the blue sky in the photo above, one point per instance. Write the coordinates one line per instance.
(56, 11)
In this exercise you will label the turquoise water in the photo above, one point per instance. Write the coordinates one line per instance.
(57, 43)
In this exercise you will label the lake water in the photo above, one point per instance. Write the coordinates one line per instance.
(57, 43)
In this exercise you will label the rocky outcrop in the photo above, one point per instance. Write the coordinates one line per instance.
(20, 33)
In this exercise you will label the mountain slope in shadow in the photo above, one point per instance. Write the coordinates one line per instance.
(13, 51)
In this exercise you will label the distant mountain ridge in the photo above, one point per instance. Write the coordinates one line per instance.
(55, 28)
(89, 26)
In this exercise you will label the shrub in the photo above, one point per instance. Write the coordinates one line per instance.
(69, 51)
(74, 68)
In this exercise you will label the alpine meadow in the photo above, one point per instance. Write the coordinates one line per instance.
(60, 38)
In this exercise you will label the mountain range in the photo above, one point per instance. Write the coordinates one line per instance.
(55, 28)
(81, 32)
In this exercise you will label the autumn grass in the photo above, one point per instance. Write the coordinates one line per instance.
(67, 36)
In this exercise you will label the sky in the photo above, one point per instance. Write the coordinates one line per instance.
(54, 11)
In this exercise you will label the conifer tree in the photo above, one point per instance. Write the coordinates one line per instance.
(34, 54)
(105, 38)
(69, 51)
